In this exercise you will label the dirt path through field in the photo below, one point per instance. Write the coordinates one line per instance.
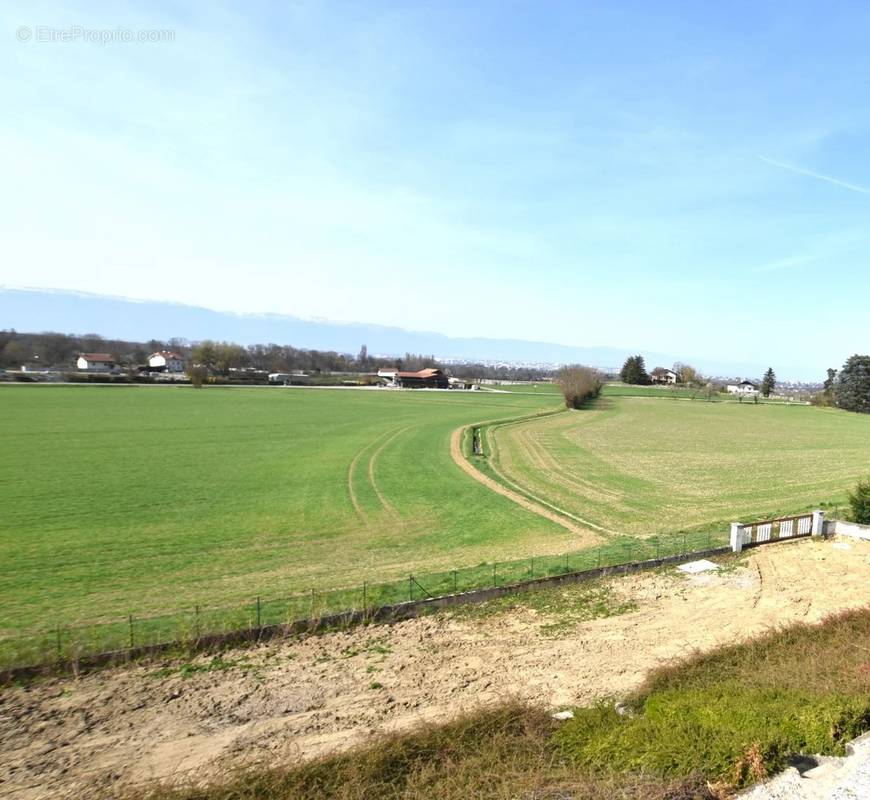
(293, 699)
(516, 497)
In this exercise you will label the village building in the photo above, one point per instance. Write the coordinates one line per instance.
(664, 376)
(165, 361)
(296, 376)
(744, 388)
(95, 362)
(429, 378)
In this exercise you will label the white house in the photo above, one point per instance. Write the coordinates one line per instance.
(744, 388)
(95, 362)
(165, 361)
(661, 375)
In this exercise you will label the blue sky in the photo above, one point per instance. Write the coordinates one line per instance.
(692, 178)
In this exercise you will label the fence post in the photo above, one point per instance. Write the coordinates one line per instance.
(736, 537)
(130, 620)
(258, 611)
(410, 588)
(818, 522)
(455, 583)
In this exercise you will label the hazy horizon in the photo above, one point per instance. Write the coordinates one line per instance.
(681, 178)
(81, 313)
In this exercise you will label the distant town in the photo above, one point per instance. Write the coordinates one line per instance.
(54, 357)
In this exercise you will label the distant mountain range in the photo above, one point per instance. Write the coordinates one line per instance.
(71, 312)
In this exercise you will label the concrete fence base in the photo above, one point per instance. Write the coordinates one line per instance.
(839, 527)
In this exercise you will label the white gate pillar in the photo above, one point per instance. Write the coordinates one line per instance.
(818, 522)
(736, 537)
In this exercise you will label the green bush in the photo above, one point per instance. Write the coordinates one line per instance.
(859, 500)
(739, 712)
(726, 732)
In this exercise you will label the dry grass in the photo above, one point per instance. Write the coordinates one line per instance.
(696, 729)
(498, 753)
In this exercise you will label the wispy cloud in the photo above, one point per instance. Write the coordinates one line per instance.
(852, 187)
(786, 263)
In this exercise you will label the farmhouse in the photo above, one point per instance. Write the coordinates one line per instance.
(95, 362)
(165, 361)
(662, 375)
(743, 388)
(288, 378)
(424, 379)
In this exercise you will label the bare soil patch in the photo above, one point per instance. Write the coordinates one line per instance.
(294, 699)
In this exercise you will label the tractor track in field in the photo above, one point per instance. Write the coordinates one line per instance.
(524, 491)
(350, 490)
(381, 442)
(388, 506)
(544, 461)
(521, 500)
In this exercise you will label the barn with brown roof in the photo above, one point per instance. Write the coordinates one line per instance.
(429, 378)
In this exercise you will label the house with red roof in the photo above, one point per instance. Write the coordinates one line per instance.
(423, 379)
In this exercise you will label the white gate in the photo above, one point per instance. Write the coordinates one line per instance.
(775, 530)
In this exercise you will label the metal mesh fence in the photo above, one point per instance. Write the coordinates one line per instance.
(58, 642)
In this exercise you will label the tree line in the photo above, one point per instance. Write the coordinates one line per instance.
(60, 350)
(848, 387)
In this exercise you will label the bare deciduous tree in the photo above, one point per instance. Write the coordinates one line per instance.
(579, 384)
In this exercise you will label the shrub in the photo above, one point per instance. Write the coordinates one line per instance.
(197, 376)
(859, 500)
(579, 384)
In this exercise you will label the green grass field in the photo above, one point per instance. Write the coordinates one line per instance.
(148, 499)
(156, 500)
(640, 466)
